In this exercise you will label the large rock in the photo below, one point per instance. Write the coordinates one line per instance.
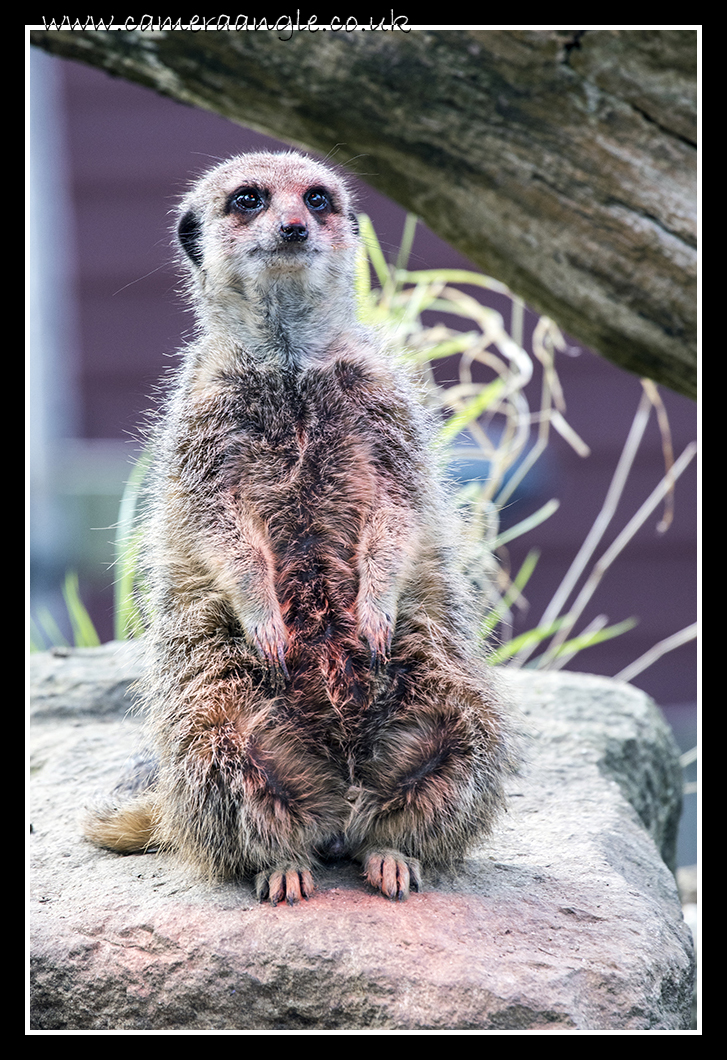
(566, 918)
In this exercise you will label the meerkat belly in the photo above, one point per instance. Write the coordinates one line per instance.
(311, 484)
(314, 536)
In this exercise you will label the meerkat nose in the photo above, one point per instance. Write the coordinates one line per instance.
(295, 232)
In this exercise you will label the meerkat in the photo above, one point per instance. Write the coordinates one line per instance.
(314, 685)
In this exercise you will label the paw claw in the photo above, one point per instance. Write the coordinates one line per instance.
(270, 643)
(290, 884)
(392, 873)
(281, 662)
(376, 628)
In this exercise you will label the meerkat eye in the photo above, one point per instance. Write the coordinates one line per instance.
(247, 200)
(317, 200)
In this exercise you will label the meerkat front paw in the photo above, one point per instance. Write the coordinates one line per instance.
(271, 640)
(285, 883)
(376, 628)
(392, 873)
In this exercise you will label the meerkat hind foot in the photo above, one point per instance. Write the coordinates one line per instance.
(287, 883)
(392, 873)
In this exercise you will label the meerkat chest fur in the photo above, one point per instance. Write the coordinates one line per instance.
(303, 462)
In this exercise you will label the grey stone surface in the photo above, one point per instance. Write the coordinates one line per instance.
(566, 918)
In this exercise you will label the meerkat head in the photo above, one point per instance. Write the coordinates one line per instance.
(266, 218)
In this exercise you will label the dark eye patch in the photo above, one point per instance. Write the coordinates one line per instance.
(318, 201)
(248, 200)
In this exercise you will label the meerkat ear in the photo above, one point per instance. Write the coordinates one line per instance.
(189, 232)
(354, 222)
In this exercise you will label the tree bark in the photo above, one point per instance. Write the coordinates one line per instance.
(563, 162)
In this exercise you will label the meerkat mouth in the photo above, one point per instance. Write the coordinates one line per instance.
(284, 254)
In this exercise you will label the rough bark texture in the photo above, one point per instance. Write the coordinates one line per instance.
(561, 162)
(567, 918)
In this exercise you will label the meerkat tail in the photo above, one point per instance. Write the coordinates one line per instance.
(126, 829)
